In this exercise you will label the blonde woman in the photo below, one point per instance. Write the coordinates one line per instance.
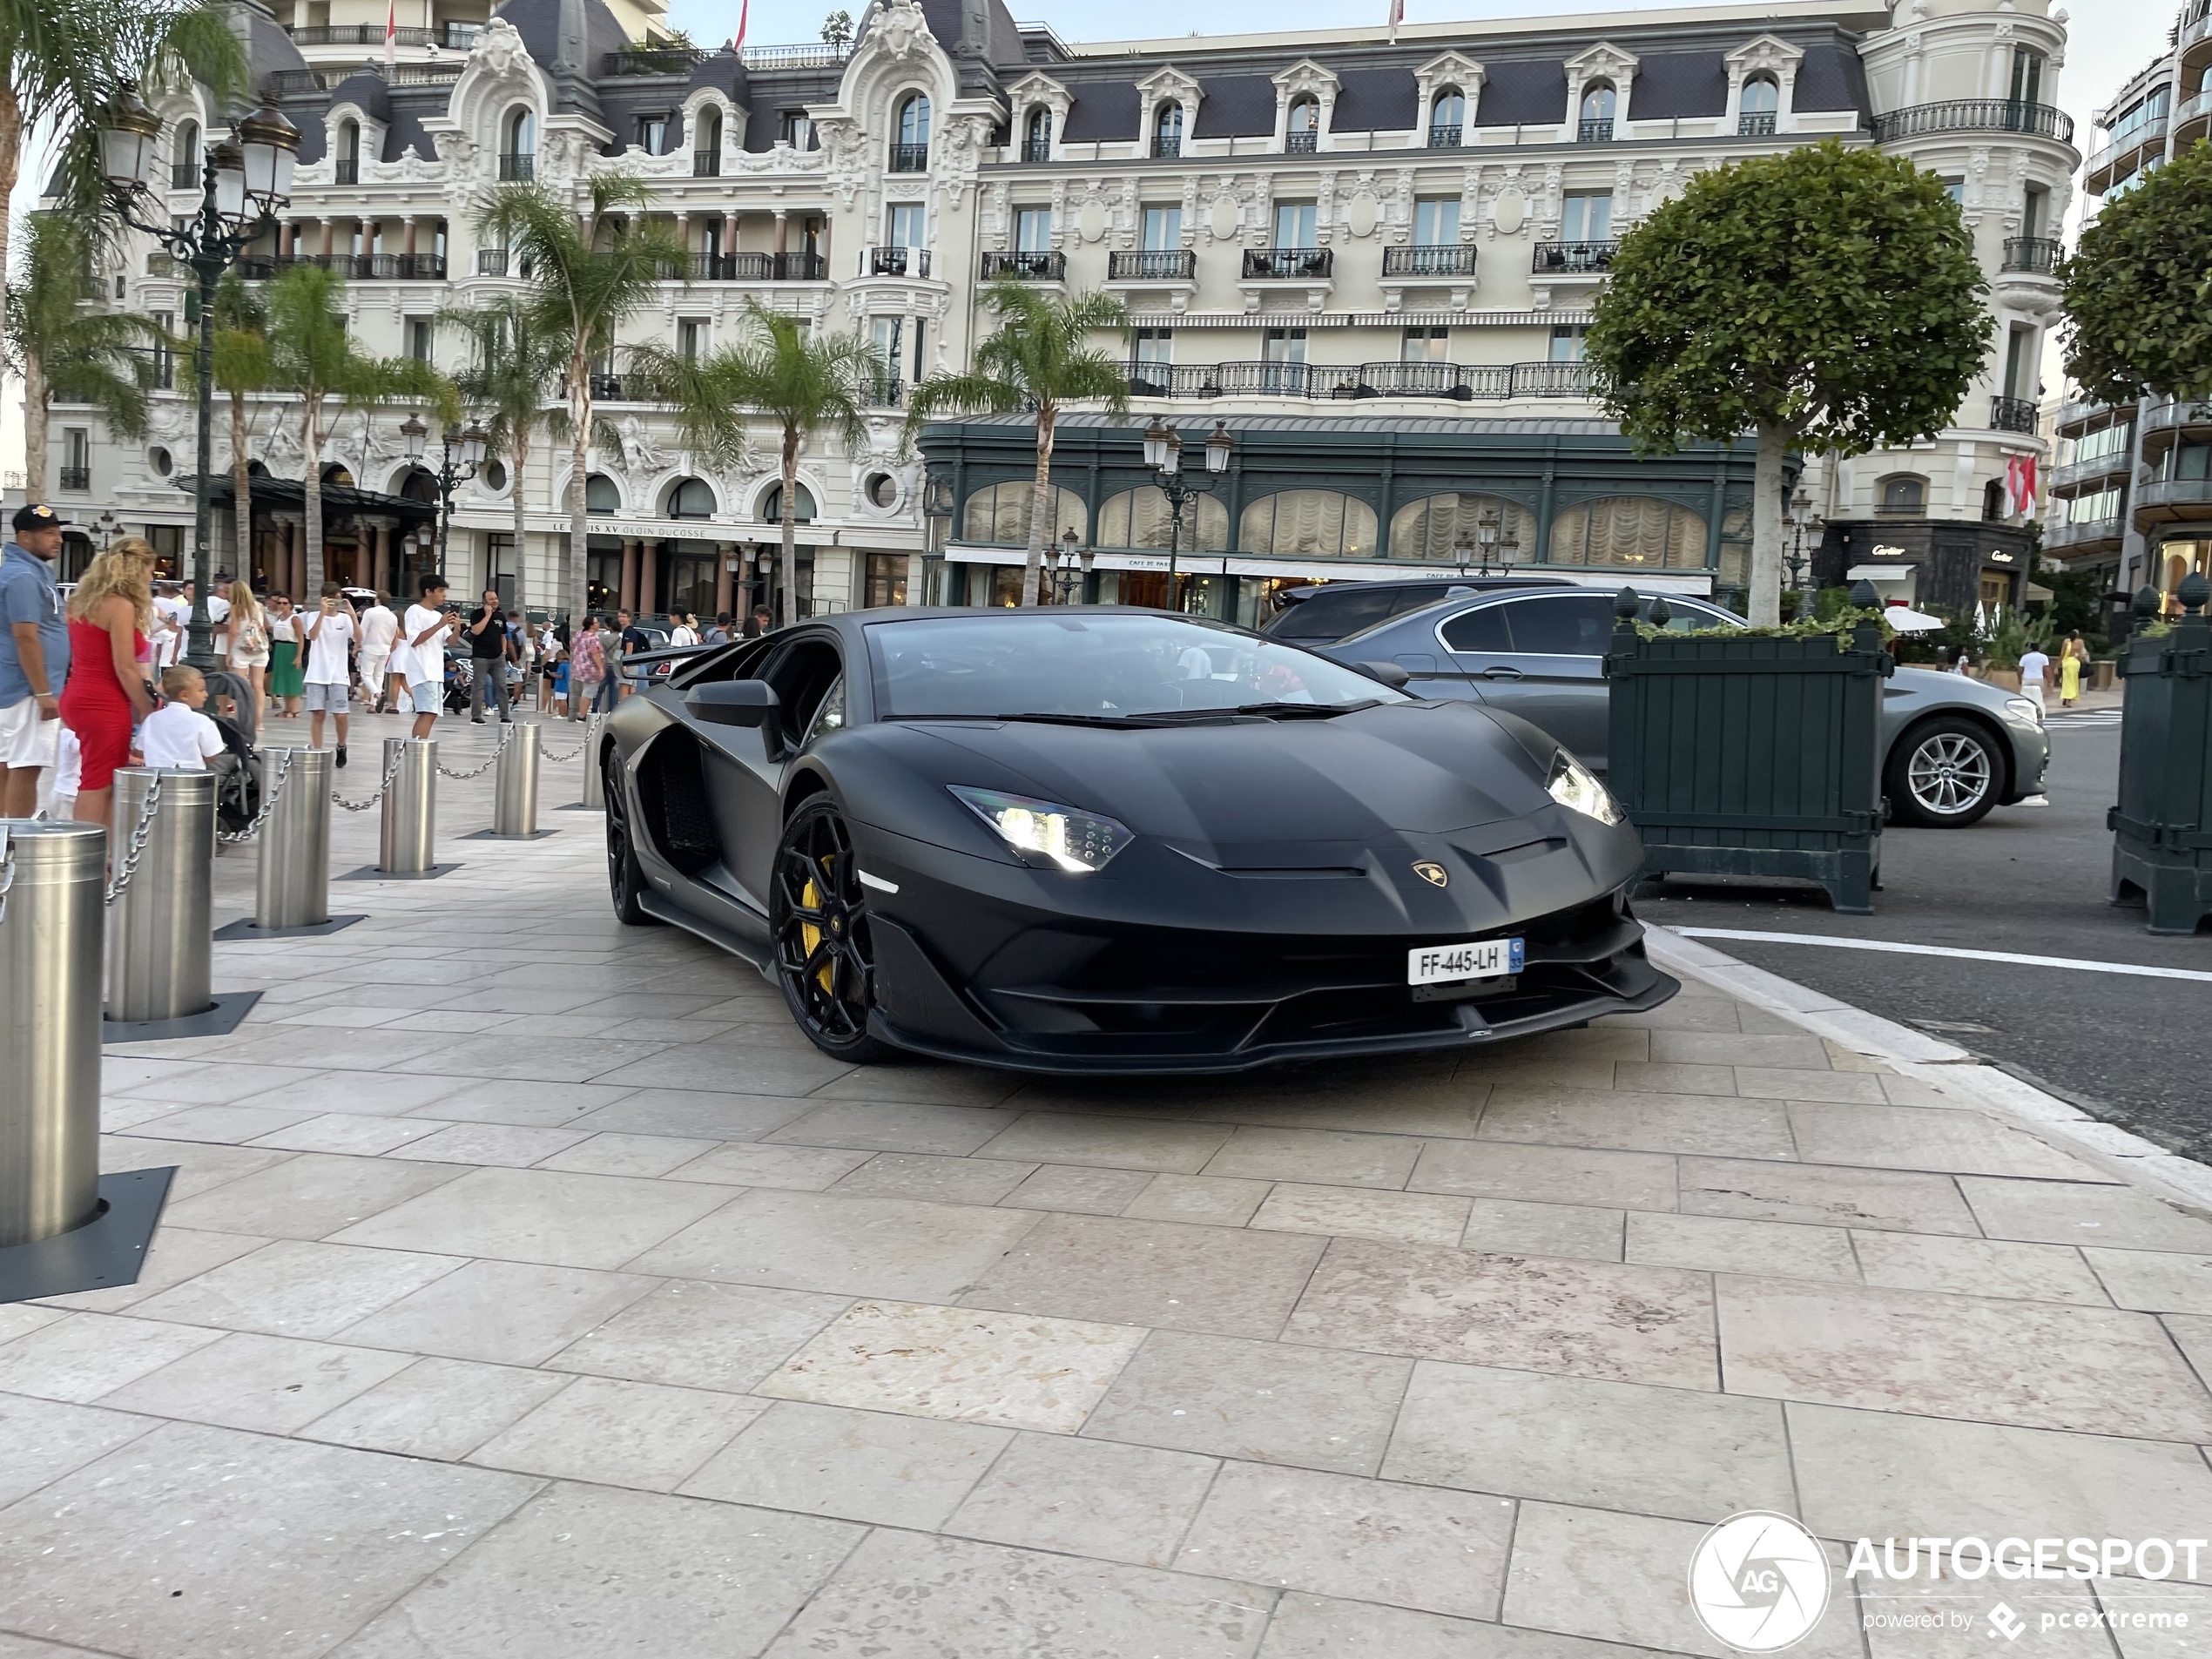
(249, 652)
(111, 621)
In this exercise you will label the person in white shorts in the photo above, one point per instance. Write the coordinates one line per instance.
(380, 629)
(423, 636)
(177, 735)
(34, 658)
(329, 632)
(2036, 677)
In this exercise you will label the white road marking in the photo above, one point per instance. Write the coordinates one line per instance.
(2075, 962)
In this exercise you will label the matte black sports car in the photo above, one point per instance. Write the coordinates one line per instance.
(1101, 839)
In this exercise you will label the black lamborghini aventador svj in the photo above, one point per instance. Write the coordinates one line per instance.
(1088, 839)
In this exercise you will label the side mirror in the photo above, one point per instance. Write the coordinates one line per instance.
(732, 702)
(1391, 674)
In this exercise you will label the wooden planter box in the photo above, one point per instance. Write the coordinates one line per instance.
(1758, 757)
(2161, 849)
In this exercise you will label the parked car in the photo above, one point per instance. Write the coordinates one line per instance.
(1953, 747)
(1327, 611)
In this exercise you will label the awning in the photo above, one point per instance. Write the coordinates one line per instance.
(338, 501)
(1878, 572)
(2037, 590)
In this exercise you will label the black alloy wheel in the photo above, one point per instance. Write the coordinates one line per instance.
(1943, 774)
(625, 877)
(818, 912)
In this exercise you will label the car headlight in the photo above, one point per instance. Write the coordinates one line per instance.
(1574, 786)
(2024, 708)
(1041, 833)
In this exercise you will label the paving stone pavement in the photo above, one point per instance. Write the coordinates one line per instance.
(528, 1287)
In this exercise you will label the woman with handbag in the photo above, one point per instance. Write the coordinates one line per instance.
(249, 653)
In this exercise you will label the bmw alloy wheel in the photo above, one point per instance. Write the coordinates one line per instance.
(1945, 776)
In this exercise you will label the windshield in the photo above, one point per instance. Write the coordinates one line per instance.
(1115, 665)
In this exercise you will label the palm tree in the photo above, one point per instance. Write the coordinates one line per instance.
(1036, 359)
(61, 59)
(104, 358)
(511, 375)
(241, 368)
(312, 357)
(588, 275)
(801, 380)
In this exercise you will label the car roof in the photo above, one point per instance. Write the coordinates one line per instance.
(1299, 595)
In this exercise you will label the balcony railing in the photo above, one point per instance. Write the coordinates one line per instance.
(653, 60)
(804, 56)
(2164, 417)
(1574, 259)
(1036, 148)
(2164, 499)
(885, 394)
(259, 267)
(1301, 144)
(1444, 135)
(706, 164)
(1289, 264)
(1755, 123)
(76, 477)
(606, 388)
(2125, 142)
(909, 157)
(1440, 260)
(454, 36)
(1901, 510)
(184, 175)
(1166, 148)
(2012, 414)
(897, 261)
(346, 171)
(1594, 132)
(2041, 255)
(1153, 264)
(1028, 265)
(1458, 382)
(161, 265)
(2086, 531)
(1974, 115)
(517, 169)
(406, 268)
(800, 267)
(2112, 463)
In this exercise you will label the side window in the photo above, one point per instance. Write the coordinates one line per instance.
(1573, 625)
(829, 716)
(1482, 629)
(804, 672)
(1688, 618)
(1339, 616)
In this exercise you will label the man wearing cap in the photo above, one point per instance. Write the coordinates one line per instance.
(34, 656)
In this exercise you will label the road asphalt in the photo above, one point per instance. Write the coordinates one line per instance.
(2133, 1051)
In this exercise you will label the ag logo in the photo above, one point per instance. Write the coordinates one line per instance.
(1435, 874)
(1758, 1581)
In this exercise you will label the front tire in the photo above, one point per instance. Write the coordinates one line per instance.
(1944, 773)
(625, 876)
(818, 917)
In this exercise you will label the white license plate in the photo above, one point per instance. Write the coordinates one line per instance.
(1481, 959)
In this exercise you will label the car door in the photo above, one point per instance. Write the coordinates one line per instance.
(1541, 656)
(746, 765)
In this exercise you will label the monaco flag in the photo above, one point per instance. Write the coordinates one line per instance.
(391, 31)
(2019, 485)
(745, 12)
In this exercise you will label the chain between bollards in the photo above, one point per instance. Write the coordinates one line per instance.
(235, 838)
(337, 800)
(506, 731)
(135, 850)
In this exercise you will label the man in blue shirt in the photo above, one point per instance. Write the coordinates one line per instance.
(34, 656)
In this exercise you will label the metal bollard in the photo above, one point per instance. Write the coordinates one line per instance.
(514, 800)
(595, 781)
(405, 842)
(53, 877)
(292, 883)
(160, 952)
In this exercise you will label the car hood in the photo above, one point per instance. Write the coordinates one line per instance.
(1420, 768)
(1937, 686)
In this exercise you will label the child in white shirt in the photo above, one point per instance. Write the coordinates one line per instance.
(178, 735)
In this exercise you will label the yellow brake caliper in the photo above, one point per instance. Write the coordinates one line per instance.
(809, 935)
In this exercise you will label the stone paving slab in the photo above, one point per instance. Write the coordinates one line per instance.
(528, 1287)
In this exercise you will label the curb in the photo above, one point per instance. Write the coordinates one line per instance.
(1944, 1067)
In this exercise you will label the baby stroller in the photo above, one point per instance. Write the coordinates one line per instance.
(237, 769)
(460, 675)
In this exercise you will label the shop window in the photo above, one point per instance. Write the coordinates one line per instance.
(1436, 526)
(1314, 524)
(1630, 531)
(999, 514)
(1139, 518)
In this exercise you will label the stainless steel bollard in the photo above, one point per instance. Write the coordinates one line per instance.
(292, 883)
(513, 798)
(53, 878)
(595, 781)
(160, 943)
(405, 843)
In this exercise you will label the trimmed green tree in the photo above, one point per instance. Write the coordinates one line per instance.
(1040, 357)
(1826, 298)
(2139, 288)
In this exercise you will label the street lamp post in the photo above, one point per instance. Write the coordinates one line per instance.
(1071, 570)
(243, 181)
(1800, 518)
(1164, 454)
(463, 452)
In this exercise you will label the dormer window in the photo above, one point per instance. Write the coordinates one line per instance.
(1036, 135)
(1599, 102)
(911, 152)
(706, 145)
(1301, 136)
(1446, 119)
(1755, 116)
(349, 152)
(518, 148)
(1167, 131)
(652, 133)
(184, 172)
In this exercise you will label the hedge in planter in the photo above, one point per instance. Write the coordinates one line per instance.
(2162, 850)
(1749, 753)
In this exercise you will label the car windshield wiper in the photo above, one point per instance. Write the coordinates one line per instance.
(1272, 711)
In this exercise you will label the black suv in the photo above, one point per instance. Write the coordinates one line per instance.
(1327, 612)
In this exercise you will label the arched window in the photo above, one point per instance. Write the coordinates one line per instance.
(418, 485)
(1167, 130)
(1037, 139)
(1312, 523)
(772, 506)
(184, 175)
(349, 152)
(999, 514)
(1762, 97)
(1447, 116)
(706, 148)
(690, 498)
(1904, 495)
(914, 120)
(1598, 103)
(1630, 531)
(1435, 528)
(337, 473)
(1993, 501)
(518, 148)
(1139, 518)
(600, 495)
(1303, 133)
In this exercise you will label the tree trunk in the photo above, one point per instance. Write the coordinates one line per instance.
(241, 494)
(1041, 513)
(311, 490)
(579, 466)
(787, 609)
(37, 480)
(520, 460)
(10, 166)
(1765, 600)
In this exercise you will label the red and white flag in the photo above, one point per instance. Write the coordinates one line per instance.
(745, 13)
(391, 32)
(1397, 17)
(2019, 485)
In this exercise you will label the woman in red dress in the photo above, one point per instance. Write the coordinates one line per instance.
(110, 615)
